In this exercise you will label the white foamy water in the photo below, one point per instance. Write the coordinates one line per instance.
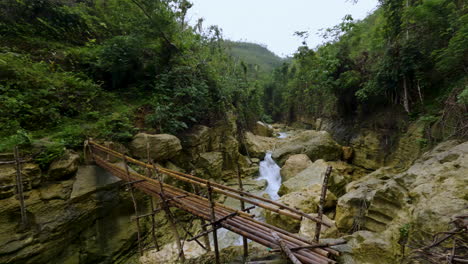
(270, 171)
(282, 135)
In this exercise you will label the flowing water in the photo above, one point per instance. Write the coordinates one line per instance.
(270, 171)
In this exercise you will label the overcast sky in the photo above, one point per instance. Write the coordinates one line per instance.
(273, 22)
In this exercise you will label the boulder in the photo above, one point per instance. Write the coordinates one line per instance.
(90, 179)
(294, 164)
(308, 228)
(368, 151)
(365, 247)
(342, 174)
(311, 175)
(258, 146)
(169, 254)
(262, 129)
(64, 167)
(198, 135)
(211, 163)
(315, 144)
(306, 200)
(31, 174)
(161, 146)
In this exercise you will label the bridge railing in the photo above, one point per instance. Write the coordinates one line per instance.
(219, 188)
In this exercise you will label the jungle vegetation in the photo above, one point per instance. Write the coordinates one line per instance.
(73, 69)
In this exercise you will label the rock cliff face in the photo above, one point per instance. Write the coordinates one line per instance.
(422, 200)
(83, 219)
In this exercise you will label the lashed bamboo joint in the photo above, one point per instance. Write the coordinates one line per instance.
(216, 214)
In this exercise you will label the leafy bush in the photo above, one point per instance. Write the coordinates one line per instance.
(36, 96)
(51, 152)
(115, 127)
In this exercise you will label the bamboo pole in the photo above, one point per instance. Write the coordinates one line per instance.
(206, 238)
(213, 225)
(321, 206)
(285, 248)
(170, 218)
(242, 204)
(153, 224)
(135, 206)
(19, 187)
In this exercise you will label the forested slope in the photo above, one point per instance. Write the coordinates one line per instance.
(255, 56)
(71, 69)
(408, 58)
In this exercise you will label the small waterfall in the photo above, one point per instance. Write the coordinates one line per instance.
(282, 135)
(270, 171)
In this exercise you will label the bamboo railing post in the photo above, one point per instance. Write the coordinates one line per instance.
(323, 195)
(153, 221)
(153, 224)
(242, 204)
(19, 187)
(213, 219)
(135, 206)
(206, 237)
(169, 216)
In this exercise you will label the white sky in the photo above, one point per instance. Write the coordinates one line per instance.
(273, 22)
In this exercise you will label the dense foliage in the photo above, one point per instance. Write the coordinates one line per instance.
(108, 68)
(409, 54)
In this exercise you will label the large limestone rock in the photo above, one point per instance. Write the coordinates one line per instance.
(365, 247)
(311, 175)
(262, 129)
(169, 254)
(306, 200)
(342, 174)
(308, 228)
(315, 144)
(294, 165)
(258, 146)
(64, 167)
(31, 175)
(211, 163)
(368, 151)
(161, 146)
(91, 228)
(425, 198)
(90, 179)
(197, 136)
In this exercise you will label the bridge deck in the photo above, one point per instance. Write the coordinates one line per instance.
(236, 221)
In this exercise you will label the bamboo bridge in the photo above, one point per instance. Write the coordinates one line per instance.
(296, 248)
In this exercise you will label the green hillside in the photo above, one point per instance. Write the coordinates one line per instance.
(254, 55)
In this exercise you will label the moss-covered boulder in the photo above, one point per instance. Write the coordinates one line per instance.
(306, 200)
(262, 129)
(64, 167)
(308, 228)
(294, 164)
(258, 146)
(315, 144)
(210, 164)
(161, 146)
